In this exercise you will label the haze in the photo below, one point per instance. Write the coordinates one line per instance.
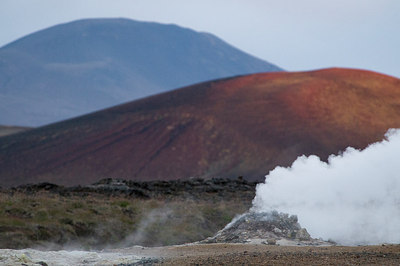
(295, 35)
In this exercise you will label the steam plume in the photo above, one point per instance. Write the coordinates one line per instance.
(352, 199)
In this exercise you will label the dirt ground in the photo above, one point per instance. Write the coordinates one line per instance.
(209, 254)
(249, 254)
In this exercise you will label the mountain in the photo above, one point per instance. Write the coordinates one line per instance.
(87, 65)
(241, 126)
(8, 130)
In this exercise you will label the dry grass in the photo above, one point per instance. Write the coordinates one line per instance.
(47, 220)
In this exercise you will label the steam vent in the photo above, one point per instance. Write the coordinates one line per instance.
(272, 228)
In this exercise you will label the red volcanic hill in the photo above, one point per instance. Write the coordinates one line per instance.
(244, 125)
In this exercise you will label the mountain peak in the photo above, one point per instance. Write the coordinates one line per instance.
(86, 65)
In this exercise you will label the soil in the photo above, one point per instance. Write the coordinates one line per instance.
(210, 254)
(248, 254)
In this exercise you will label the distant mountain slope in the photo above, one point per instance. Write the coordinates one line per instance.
(8, 130)
(87, 65)
(243, 126)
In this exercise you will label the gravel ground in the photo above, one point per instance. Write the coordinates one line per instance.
(245, 254)
(210, 254)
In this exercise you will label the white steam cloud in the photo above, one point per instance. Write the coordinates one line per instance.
(353, 199)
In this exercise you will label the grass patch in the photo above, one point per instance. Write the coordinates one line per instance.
(98, 221)
(41, 216)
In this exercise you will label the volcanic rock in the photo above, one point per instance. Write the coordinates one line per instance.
(145, 190)
(265, 227)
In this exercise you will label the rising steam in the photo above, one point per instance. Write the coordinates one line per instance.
(352, 199)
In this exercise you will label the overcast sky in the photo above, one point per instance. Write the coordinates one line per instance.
(293, 34)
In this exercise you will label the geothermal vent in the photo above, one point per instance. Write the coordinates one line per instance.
(271, 228)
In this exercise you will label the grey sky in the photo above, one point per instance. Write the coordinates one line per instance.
(294, 34)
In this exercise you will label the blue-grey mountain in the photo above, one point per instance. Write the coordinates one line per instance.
(79, 67)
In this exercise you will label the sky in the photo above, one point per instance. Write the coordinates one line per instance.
(293, 34)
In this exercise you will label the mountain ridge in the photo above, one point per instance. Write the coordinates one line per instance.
(240, 126)
(86, 65)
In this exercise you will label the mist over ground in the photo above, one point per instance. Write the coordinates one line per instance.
(353, 199)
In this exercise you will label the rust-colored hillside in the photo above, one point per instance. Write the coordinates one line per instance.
(240, 126)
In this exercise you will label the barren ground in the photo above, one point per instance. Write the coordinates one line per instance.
(210, 254)
(246, 254)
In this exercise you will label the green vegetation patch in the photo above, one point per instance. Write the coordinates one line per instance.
(97, 221)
